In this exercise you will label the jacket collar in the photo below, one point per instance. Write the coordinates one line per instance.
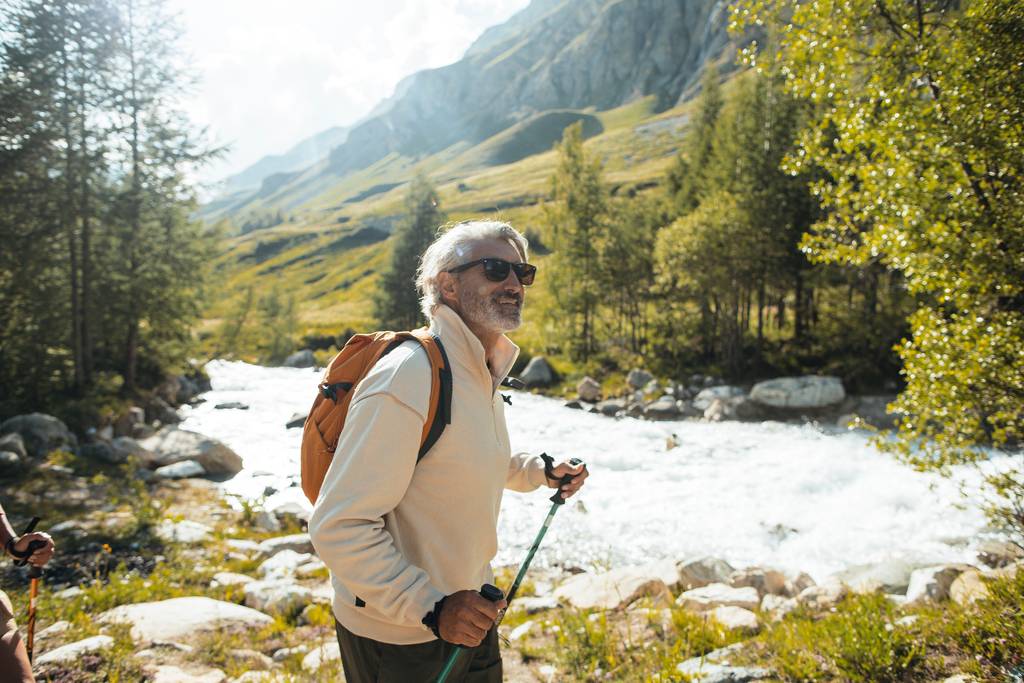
(465, 348)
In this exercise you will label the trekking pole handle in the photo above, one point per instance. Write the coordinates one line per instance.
(549, 472)
(22, 560)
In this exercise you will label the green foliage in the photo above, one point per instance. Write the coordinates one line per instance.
(277, 317)
(687, 180)
(859, 642)
(396, 303)
(916, 128)
(102, 268)
(578, 225)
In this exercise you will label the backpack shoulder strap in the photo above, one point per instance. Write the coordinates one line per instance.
(440, 412)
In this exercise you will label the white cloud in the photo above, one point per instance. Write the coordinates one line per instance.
(273, 73)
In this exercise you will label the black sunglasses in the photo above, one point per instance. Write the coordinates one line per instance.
(496, 270)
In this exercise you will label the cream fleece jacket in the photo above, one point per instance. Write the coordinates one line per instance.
(399, 535)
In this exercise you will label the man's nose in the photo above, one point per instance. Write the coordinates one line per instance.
(511, 282)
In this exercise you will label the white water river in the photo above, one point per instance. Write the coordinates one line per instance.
(787, 496)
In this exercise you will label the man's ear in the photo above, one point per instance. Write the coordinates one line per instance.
(449, 293)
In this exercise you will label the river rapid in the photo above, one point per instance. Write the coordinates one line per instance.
(793, 497)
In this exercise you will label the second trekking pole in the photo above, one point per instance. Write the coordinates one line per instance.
(556, 502)
(34, 573)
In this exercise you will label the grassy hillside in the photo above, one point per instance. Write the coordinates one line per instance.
(328, 252)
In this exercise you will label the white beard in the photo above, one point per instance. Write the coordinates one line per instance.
(486, 312)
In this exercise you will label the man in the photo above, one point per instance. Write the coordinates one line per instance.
(14, 664)
(409, 544)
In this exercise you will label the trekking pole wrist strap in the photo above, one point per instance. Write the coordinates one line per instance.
(14, 552)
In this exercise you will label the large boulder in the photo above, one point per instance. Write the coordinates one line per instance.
(328, 651)
(723, 392)
(101, 451)
(638, 379)
(173, 445)
(614, 589)
(40, 434)
(589, 390)
(809, 391)
(300, 359)
(993, 553)
(971, 586)
(182, 617)
(538, 373)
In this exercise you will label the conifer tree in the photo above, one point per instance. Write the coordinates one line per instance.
(396, 304)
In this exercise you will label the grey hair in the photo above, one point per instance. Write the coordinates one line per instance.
(450, 250)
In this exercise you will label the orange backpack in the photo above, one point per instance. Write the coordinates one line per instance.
(326, 418)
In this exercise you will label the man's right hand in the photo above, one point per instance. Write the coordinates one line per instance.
(466, 617)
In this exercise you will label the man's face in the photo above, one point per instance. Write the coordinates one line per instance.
(494, 306)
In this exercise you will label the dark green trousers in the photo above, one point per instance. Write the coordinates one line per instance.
(370, 661)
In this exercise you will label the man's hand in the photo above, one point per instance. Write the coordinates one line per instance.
(42, 555)
(579, 475)
(466, 617)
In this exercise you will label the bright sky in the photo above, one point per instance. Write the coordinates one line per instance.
(274, 72)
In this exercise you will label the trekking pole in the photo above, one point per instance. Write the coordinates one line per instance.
(34, 573)
(556, 502)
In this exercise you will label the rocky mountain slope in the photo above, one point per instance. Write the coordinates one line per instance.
(579, 55)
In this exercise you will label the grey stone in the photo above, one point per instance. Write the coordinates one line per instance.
(702, 571)
(184, 531)
(664, 408)
(126, 421)
(998, 554)
(185, 469)
(809, 391)
(159, 410)
(589, 390)
(614, 589)
(283, 563)
(173, 445)
(126, 447)
(933, 583)
(166, 673)
(300, 359)
(638, 379)
(71, 652)
(823, 597)
(764, 580)
(574, 405)
(231, 405)
(611, 407)
(13, 443)
(892, 576)
(101, 451)
(735, 618)
(277, 596)
(299, 543)
(718, 595)
(142, 431)
(329, 651)
(40, 434)
(297, 420)
(707, 396)
(538, 373)
(181, 618)
(10, 464)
